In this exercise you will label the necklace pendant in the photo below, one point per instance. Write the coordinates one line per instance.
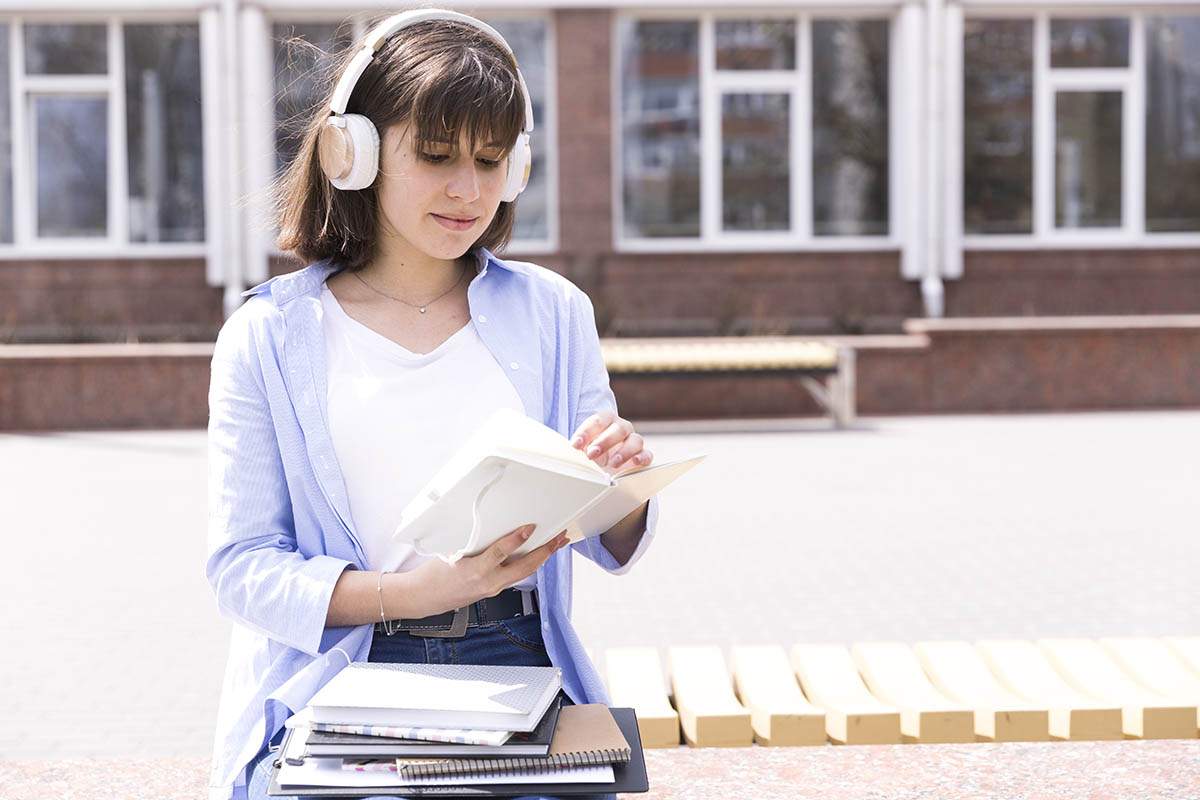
(422, 309)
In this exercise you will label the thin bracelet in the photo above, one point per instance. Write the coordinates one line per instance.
(383, 618)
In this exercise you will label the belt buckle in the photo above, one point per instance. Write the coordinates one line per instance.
(457, 629)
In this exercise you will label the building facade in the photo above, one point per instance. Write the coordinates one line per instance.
(699, 168)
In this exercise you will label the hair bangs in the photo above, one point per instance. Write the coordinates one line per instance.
(470, 97)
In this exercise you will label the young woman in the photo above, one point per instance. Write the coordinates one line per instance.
(338, 390)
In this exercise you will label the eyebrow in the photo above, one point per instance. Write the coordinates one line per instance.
(448, 143)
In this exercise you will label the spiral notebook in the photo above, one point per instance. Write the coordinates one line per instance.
(626, 778)
(586, 735)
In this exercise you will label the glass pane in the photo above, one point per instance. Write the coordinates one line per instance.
(1087, 146)
(71, 138)
(6, 187)
(1089, 42)
(850, 127)
(998, 126)
(660, 116)
(1173, 124)
(300, 70)
(66, 49)
(756, 44)
(755, 162)
(164, 133)
(527, 38)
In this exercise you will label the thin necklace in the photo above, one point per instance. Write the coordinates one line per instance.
(419, 307)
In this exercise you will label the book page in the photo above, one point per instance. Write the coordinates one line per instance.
(631, 490)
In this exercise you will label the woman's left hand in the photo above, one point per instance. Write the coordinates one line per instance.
(610, 441)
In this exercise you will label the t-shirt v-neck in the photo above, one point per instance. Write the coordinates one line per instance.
(366, 336)
(395, 417)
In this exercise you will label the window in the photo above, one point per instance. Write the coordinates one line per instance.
(1173, 124)
(300, 69)
(164, 133)
(6, 142)
(753, 131)
(106, 144)
(1086, 134)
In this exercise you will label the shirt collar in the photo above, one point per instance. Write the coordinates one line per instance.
(308, 281)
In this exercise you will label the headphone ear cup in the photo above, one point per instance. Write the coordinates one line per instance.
(363, 158)
(520, 161)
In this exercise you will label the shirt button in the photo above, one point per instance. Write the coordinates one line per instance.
(545, 626)
(515, 365)
(482, 318)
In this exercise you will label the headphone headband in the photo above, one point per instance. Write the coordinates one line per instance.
(389, 27)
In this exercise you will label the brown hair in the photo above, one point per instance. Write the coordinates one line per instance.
(445, 79)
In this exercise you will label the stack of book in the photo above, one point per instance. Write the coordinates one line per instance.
(452, 729)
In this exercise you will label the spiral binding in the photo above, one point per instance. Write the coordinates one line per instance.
(513, 766)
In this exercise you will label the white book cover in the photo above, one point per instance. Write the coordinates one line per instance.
(437, 695)
(514, 471)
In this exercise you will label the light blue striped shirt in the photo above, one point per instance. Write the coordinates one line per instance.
(280, 531)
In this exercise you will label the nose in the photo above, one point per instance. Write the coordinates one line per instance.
(464, 181)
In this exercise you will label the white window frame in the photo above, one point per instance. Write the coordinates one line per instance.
(23, 88)
(798, 85)
(1047, 81)
(279, 14)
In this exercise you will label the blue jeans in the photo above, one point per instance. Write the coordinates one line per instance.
(516, 642)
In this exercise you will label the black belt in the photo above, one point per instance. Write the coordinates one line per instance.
(509, 604)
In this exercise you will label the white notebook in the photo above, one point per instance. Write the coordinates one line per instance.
(437, 696)
(515, 471)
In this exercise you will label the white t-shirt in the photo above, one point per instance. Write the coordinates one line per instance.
(396, 417)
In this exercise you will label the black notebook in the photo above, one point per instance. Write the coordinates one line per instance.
(355, 745)
(629, 777)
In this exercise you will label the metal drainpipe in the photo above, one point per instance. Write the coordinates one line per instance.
(231, 109)
(932, 290)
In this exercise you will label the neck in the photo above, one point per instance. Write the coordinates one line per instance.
(406, 272)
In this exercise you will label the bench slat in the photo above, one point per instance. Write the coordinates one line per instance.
(779, 712)
(1188, 650)
(635, 680)
(1144, 714)
(709, 714)
(958, 671)
(893, 674)
(1022, 669)
(852, 714)
(1154, 665)
(719, 355)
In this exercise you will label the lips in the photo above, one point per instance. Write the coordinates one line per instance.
(455, 222)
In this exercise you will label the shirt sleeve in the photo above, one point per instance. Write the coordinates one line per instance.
(590, 392)
(260, 577)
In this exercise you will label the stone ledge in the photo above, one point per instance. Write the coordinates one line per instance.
(1130, 770)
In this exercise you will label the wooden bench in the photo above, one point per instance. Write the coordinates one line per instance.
(807, 360)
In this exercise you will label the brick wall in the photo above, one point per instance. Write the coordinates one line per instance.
(83, 300)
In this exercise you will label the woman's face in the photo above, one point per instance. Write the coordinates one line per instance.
(439, 200)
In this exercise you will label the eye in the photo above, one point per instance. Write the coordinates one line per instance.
(490, 163)
(434, 158)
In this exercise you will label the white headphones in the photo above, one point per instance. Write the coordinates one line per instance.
(348, 145)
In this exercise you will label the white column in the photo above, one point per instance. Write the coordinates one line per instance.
(257, 160)
(234, 268)
(217, 196)
(907, 152)
(934, 174)
(952, 143)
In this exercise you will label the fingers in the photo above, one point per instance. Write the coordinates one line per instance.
(631, 453)
(528, 564)
(508, 544)
(618, 431)
(592, 427)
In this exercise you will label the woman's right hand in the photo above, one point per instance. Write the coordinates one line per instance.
(440, 587)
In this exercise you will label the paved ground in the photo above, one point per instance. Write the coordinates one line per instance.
(904, 529)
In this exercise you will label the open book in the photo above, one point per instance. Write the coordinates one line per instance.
(515, 471)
